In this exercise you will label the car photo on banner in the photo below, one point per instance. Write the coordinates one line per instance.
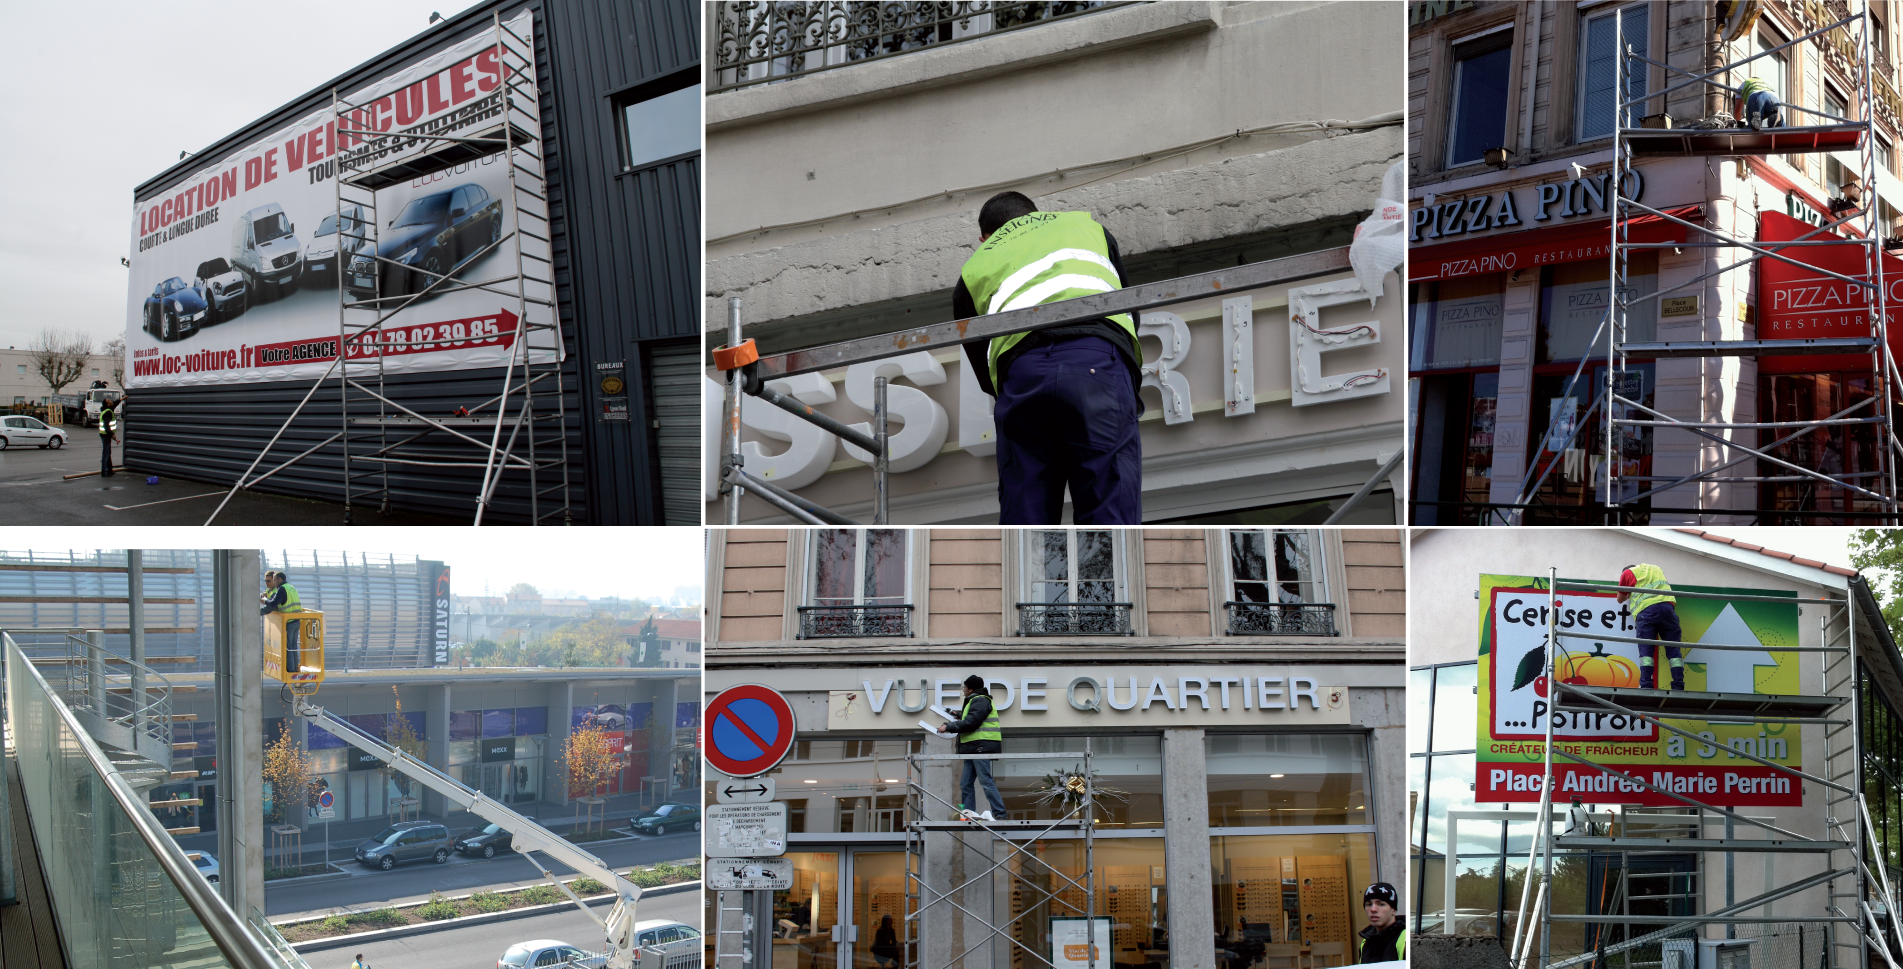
(240, 270)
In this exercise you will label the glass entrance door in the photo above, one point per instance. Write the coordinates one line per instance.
(805, 915)
(876, 911)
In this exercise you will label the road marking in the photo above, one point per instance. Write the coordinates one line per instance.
(149, 504)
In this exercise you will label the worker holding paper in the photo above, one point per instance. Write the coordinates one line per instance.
(978, 732)
(1655, 617)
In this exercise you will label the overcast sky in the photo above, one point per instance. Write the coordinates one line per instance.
(105, 97)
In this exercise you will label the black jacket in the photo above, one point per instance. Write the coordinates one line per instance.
(270, 605)
(980, 711)
(978, 353)
(1380, 945)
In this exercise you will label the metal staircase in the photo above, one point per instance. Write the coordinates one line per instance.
(1845, 931)
(125, 707)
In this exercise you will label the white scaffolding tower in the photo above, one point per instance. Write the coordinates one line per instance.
(376, 430)
(1874, 493)
(1849, 928)
(1035, 884)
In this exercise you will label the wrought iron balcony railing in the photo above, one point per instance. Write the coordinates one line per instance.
(757, 42)
(1074, 619)
(855, 622)
(1281, 618)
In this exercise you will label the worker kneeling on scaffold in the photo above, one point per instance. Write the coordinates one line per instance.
(281, 596)
(1655, 617)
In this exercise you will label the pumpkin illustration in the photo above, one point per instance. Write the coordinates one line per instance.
(1596, 668)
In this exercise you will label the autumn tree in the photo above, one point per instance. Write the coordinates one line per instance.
(60, 356)
(116, 349)
(523, 589)
(289, 770)
(590, 761)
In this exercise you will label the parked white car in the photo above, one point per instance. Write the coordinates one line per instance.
(668, 936)
(22, 431)
(207, 866)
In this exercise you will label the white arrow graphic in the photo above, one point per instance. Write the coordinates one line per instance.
(1729, 670)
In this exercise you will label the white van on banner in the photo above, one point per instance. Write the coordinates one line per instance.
(235, 271)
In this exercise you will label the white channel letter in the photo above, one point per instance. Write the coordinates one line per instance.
(1016, 281)
(977, 429)
(925, 422)
(1308, 340)
(1238, 356)
(1171, 387)
(809, 450)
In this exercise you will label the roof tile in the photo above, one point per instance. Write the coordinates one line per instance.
(1761, 550)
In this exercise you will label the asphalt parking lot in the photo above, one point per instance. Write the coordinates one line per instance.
(33, 492)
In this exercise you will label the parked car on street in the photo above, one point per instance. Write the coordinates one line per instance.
(484, 841)
(405, 841)
(435, 233)
(548, 952)
(23, 431)
(221, 287)
(173, 310)
(206, 865)
(666, 817)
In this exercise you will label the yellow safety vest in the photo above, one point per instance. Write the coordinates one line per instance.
(1649, 577)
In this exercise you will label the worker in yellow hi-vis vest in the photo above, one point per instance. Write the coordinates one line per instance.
(1655, 617)
(1066, 396)
(978, 732)
(281, 596)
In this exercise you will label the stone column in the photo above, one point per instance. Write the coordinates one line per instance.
(239, 645)
(436, 701)
(1512, 414)
(1383, 711)
(943, 932)
(1192, 917)
(560, 718)
(661, 738)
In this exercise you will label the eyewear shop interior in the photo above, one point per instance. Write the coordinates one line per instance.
(1290, 842)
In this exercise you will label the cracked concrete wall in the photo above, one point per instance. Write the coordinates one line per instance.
(962, 122)
(1230, 197)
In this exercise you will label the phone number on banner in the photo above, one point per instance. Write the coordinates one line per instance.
(483, 331)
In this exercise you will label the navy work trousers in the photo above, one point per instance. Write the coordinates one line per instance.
(1067, 415)
(980, 771)
(1659, 621)
(105, 455)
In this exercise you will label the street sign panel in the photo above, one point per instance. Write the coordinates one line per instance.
(752, 790)
(768, 874)
(749, 730)
(746, 830)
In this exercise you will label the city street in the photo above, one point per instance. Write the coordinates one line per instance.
(481, 945)
(413, 882)
(33, 487)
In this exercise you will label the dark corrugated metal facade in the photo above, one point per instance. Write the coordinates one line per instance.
(627, 270)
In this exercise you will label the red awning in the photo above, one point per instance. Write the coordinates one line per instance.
(1539, 247)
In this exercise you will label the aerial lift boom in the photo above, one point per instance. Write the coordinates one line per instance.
(527, 835)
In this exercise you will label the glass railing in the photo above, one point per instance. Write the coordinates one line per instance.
(123, 892)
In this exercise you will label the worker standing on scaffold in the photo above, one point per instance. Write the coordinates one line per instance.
(1655, 617)
(281, 596)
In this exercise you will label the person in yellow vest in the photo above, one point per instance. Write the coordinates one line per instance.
(108, 433)
(281, 596)
(1385, 938)
(1654, 617)
(1066, 396)
(978, 732)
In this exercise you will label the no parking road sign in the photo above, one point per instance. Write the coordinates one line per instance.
(749, 730)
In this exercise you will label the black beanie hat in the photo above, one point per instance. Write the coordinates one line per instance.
(1384, 892)
(976, 684)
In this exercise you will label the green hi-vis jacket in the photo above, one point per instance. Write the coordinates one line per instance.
(1649, 577)
(990, 729)
(1041, 257)
(291, 602)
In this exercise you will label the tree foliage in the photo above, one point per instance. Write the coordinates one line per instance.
(523, 589)
(402, 736)
(289, 770)
(1878, 554)
(590, 761)
(116, 349)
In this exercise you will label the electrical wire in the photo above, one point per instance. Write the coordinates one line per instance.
(1130, 162)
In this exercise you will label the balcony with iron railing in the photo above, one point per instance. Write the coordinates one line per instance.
(1281, 618)
(758, 42)
(856, 622)
(1074, 619)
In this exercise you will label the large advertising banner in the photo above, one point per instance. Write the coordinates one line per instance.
(235, 272)
(1516, 693)
(1801, 303)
